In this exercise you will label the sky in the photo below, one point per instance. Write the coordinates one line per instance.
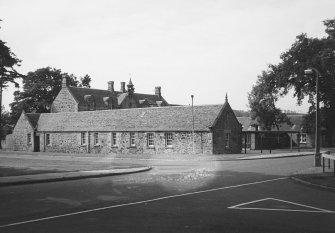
(202, 47)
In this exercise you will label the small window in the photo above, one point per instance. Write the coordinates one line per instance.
(168, 139)
(227, 139)
(83, 138)
(96, 138)
(132, 139)
(113, 139)
(150, 140)
(47, 139)
(29, 138)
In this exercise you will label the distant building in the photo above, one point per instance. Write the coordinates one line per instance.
(98, 121)
(255, 138)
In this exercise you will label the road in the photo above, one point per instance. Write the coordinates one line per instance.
(175, 196)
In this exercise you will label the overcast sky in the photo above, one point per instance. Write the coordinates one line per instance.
(200, 47)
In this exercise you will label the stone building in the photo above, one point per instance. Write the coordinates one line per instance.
(99, 121)
(75, 99)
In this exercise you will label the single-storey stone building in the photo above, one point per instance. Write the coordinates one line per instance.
(86, 120)
(138, 130)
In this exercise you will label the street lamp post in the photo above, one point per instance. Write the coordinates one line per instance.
(192, 96)
(317, 158)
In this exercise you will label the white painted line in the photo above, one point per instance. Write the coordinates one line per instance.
(139, 202)
(307, 206)
(287, 210)
(246, 203)
(314, 209)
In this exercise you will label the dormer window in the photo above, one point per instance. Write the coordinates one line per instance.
(90, 101)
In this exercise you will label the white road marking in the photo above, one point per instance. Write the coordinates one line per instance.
(314, 209)
(139, 202)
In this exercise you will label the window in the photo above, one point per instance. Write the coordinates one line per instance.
(83, 138)
(29, 138)
(132, 139)
(227, 139)
(113, 139)
(96, 139)
(150, 140)
(47, 139)
(168, 139)
(303, 138)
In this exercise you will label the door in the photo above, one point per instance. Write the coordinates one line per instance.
(36, 143)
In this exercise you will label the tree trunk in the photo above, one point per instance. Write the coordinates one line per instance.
(0, 113)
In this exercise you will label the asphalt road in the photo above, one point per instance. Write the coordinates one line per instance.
(176, 196)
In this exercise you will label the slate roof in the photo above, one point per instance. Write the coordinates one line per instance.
(151, 99)
(98, 95)
(137, 119)
(79, 94)
(246, 122)
(296, 120)
(33, 118)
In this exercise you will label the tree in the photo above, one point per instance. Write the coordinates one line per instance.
(8, 74)
(40, 88)
(5, 123)
(262, 99)
(308, 52)
(85, 81)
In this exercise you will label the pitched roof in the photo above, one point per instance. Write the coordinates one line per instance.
(151, 99)
(98, 95)
(296, 121)
(137, 119)
(246, 122)
(33, 118)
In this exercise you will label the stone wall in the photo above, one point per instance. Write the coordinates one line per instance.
(8, 143)
(64, 102)
(70, 142)
(19, 137)
(227, 124)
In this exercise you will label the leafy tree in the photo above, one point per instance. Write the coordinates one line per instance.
(5, 123)
(289, 74)
(262, 99)
(85, 81)
(40, 89)
(8, 74)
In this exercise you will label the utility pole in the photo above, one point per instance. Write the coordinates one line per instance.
(192, 96)
(317, 157)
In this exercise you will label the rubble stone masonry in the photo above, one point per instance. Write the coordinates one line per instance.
(64, 102)
(70, 142)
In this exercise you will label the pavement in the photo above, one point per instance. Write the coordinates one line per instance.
(62, 176)
(119, 170)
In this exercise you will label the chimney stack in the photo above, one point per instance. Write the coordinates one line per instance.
(64, 81)
(111, 86)
(123, 87)
(158, 91)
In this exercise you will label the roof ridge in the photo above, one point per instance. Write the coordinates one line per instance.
(133, 109)
(84, 88)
